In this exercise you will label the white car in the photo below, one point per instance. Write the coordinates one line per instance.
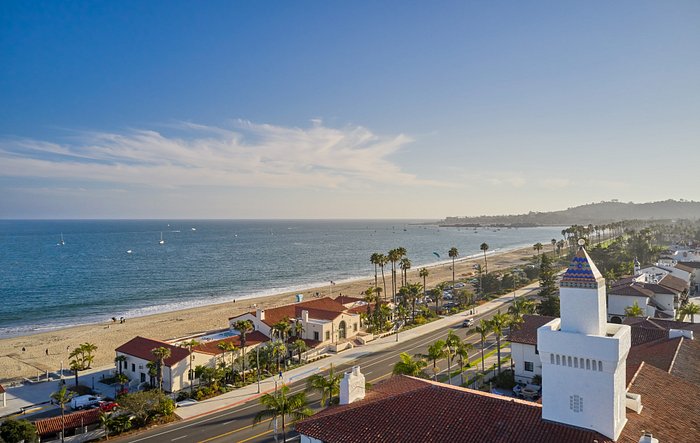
(85, 401)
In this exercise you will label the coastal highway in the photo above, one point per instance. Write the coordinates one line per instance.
(236, 424)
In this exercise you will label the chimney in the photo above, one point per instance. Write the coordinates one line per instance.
(648, 438)
(633, 402)
(352, 386)
(260, 314)
(673, 333)
(305, 316)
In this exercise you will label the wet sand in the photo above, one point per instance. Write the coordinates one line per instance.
(24, 356)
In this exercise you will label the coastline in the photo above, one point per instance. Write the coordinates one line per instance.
(26, 355)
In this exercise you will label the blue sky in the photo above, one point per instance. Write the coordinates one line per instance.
(344, 109)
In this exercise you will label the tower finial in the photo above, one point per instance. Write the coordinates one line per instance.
(581, 242)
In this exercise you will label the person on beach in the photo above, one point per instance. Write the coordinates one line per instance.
(47, 352)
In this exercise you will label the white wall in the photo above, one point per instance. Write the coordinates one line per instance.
(576, 301)
(521, 353)
(307, 439)
(618, 303)
(259, 325)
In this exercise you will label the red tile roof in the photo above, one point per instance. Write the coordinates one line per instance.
(212, 347)
(2, 389)
(659, 354)
(633, 289)
(526, 332)
(674, 283)
(661, 324)
(325, 304)
(141, 347)
(54, 425)
(685, 365)
(690, 264)
(670, 408)
(414, 410)
(685, 268)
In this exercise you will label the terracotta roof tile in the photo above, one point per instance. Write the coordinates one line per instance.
(685, 365)
(2, 389)
(683, 267)
(674, 283)
(455, 414)
(212, 347)
(141, 347)
(670, 408)
(633, 289)
(659, 354)
(274, 315)
(53, 425)
(690, 264)
(526, 332)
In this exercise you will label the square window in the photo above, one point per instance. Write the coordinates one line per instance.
(328, 335)
(529, 366)
(316, 336)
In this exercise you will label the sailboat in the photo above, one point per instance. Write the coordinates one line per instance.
(162, 242)
(61, 242)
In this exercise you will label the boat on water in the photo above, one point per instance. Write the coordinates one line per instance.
(161, 242)
(61, 242)
(194, 229)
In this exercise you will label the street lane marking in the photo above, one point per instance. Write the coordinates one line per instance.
(178, 438)
(255, 436)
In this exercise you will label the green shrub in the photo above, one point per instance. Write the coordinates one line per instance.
(505, 380)
(15, 431)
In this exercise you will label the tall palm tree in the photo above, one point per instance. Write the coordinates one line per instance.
(375, 259)
(437, 293)
(382, 260)
(537, 247)
(394, 256)
(300, 347)
(453, 253)
(244, 327)
(229, 347)
(690, 309)
(62, 397)
(520, 307)
(412, 366)
(405, 265)
(281, 404)
(190, 345)
(497, 324)
(462, 352)
(328, 387)
(436, 351)
(554, 244)
(423, 273)
(298, 328)
(87, 349)
(451, 344)
(119, 361)
(413, 291)
(485, 247)
(160, 353)
(484, 329)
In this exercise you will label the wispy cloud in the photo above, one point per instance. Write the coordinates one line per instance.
(249, 155)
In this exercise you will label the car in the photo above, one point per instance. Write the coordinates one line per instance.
(85, 401)
(460, 285)
(108, 406)
(468, 323)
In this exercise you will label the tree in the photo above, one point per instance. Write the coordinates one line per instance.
(382, 260)
(423, 273)
(520, 307)
(160, 353)
(15, 431)
(554, 245)
(412, 366)
(244, 327)
(438, 294)
(462, 352)
(146, 405)
(690, 309)
(497, 324)
(300, 347)
(61, 397)
(328, 387)
(120, 361)
(405, 265)
(436, 351)
(485, 247)
(281, 404)
(452, 342)
(229, 347)
(484, 329)
(549, 306)
(634, 311)
(547, 277)
(81, 358)
(537, 247)
(413, 290)
(375, 259)
(190, 345)
(453, 253)
(394, 256)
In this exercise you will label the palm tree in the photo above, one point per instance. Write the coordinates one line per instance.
(393, 256)
(412, 366)
(451, 344)
(405, 265)
(160, 353)
(634, 311)
(436, 351)
(298, 328)
(382, 260)
(413, 291)
(554, 244)
(61, 398)
(81, 358)
(690, 309)
(484, 329)
(462, 352)
(497, 324)
(375, 259)
(229, 347)
(437, 293)
(190, 345)
(120, 360)
(423, 273)
(328, 387)
(281, 404)
(453, 253)
(244, 327)
(485, 247)
(300, 347)
(537, 247)
(520, 307)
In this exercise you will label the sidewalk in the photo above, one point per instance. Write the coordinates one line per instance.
(249, 392)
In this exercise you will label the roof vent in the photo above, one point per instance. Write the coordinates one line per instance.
(648, 438)
(634, 402)
(673, 333)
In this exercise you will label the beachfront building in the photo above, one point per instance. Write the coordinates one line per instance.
(324, 321)
(212, 352)
(138, 353)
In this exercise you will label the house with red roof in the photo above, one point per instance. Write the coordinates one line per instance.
(324, 321)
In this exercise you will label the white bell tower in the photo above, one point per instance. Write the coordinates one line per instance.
(583, 356)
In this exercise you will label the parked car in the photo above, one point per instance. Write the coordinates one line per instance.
(468, 323)
(108, 406)
(85, 401)
(460, 285)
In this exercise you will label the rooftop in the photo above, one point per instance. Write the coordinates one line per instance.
(582, 272)
(141, 347)
(325, 308)
(212, 347)
(54, 425)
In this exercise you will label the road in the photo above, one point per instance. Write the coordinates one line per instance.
(236, 424)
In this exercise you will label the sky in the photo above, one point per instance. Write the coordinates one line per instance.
(362, 109)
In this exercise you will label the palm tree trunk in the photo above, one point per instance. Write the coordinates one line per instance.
(498, 345)
(482, 355)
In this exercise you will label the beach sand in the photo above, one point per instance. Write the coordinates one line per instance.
(25, 356)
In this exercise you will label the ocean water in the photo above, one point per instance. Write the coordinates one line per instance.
(92, 277)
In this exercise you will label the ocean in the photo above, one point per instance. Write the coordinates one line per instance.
(118, 268)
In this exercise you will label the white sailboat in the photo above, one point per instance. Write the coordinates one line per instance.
(162, 242)
(61, 242)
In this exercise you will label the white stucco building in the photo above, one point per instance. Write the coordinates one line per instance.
(583, 356)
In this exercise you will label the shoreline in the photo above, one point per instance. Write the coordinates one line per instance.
(18, 363)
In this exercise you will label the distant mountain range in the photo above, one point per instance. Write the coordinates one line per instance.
(593, 213)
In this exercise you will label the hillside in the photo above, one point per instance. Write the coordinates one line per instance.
(593, 213)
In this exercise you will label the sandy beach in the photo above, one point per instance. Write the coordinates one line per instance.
(24, 356)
